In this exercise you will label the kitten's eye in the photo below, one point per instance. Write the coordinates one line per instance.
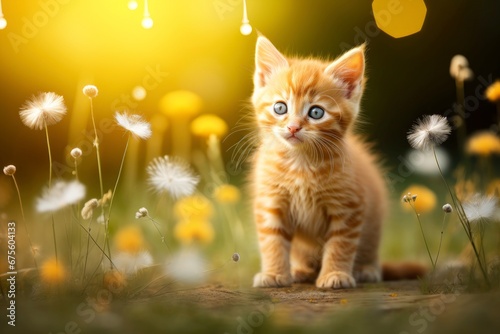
(316, 112)
(280, 108)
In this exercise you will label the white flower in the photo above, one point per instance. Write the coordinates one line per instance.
(130, 263)
(60, 195)
(90, 91)
(43, 110)
(480, 207)
(134, 124)
(172, 175)
(458, 63)
(429, 132)
(187, 266)
(423, 162)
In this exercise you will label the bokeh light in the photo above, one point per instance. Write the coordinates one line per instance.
(399, 18)
(3, 23)
(132, 5)
(139, 93)
(147, 22)
(246, 29)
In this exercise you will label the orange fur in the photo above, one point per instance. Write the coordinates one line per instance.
(319, 198)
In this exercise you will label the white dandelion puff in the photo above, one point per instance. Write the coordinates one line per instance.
(428, 132)
(130, 263)
(134, 124)
(424, 163)
(173, 176)
(187, 266)
(479, 208)
(60, 195)
(43, 110)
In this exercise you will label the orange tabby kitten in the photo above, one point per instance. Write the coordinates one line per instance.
(319, 198)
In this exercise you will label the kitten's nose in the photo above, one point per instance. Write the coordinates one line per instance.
(294, 129)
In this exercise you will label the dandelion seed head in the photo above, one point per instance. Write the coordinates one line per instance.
(134, 124)
(428, 132)
(60, 195)
(141, 213)
(426, 198)
(465, 74)
(42, 110)
(173, 176)
(187, 266)
(457, 64)
(106, 198)
(9, 170)
(480, 207)
(90, 91)
(130, 263)
(447, 208)
(88, 208)
(76, 153)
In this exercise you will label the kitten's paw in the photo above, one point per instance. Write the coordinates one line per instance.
(368, 273)
(302, 276)
(336, 280)
(266, 280)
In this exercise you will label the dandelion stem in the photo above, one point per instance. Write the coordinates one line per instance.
(162, 236)
(423, 234)
(113, 194)
(50, 154)
(24, 220)
(462, 131)
(87, 252)
(54, 236)
(440, 239)
(463, 220)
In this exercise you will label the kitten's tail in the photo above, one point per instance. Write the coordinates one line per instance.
(394, 271)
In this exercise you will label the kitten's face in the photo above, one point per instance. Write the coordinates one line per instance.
(306, 102)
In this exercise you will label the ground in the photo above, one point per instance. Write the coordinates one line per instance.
(388, 307)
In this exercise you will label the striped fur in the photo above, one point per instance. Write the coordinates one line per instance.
(319, 199)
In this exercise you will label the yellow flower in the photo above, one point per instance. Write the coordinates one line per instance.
(129, 240)
(208, 124)
(181, 104)
(494, 188)
(52, 272)
(189, 231)
(493, 92)
(227, 194)
(195, 207)
(114, 280)
(425, 199)
(483, 143)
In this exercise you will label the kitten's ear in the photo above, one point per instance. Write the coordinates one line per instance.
(350, 69)
(267, 61)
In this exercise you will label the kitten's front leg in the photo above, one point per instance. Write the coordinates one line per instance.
(274, 242)
(339, 253)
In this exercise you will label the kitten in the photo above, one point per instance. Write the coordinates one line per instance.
(319, 198)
